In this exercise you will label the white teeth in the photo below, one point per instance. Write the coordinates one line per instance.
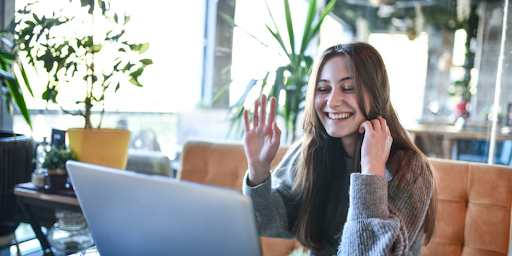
(339, 116)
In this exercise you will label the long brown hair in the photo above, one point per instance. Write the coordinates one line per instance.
(316, 169)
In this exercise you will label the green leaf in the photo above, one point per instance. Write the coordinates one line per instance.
(95, 48)
(328, 8)
(122, 49)
(134, 81)
(308, 26)
(241, 100)
(88, 41)
(146, 61)
(30, 23)
(137, 73)
(6, 56)
(279, 82)
(232, 22)
(221, 91)
(280, 41)
(89, 3)
(47, 58)
(36, 18)
(126, 19)
(264, 83)
(277, 35)
(143, 47)
(17, 95)
(289, 25)
(116, 18)
(103, 6)
(50, 94)
(25, 78)
(128, 66)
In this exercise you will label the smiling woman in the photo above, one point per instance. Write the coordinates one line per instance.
(355, 184)
(336, 102)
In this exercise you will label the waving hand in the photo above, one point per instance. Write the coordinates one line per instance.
(262, 141)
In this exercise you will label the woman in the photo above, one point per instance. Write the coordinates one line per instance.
(356, 184)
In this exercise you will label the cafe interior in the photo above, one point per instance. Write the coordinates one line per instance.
(207, 61)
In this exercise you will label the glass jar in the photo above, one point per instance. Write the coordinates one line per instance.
(70, 233)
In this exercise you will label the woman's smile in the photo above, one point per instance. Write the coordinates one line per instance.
(336, 102)
(338, 116)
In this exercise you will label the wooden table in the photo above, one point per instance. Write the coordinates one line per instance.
(28, 196)
(449, 135)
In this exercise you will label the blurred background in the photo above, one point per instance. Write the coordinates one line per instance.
(448, 64)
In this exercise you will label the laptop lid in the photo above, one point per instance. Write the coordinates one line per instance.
(137, 214)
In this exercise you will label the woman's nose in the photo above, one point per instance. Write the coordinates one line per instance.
(335, 99)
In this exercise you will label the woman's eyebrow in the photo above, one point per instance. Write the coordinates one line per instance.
(327, 81)
(345, 78)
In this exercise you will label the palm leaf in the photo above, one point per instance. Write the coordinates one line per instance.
(289, 25)
(276, 34)
(308, 26)
(327, 10)
(248, 89)
(232, 22)
(278, 82)
(25, 78)
(221, 91)
(17, 95)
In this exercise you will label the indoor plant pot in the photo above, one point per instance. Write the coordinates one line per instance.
(102, 56)
(106, 147)
(55, 162)
(58, 177)
(16, 166)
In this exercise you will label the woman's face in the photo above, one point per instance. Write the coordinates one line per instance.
(335, 100)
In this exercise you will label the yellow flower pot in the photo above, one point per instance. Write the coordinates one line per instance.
(106, 147)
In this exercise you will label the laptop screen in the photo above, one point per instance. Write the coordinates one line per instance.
(136, 214)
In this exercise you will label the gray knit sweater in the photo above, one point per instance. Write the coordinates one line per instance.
(375, 217)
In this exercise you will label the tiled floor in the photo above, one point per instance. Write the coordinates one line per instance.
(29, 246)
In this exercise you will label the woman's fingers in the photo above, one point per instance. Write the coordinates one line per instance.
(364, 126)
(277, 133)
(247, 125)
(263, 110)
(383, 124)
(272, 114)
(255, 113)
(376, 125)
(259, 116)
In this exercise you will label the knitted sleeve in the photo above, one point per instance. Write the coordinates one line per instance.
(274, 204)
(382, 218)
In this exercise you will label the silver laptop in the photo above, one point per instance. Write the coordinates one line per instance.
(137, 214)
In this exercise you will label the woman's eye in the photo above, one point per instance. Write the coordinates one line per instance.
(348, 89)
(322, 89)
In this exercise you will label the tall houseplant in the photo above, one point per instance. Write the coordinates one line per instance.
(92, 47)
(68, 48)
(292, 77)
(10, 83)
(16, 150)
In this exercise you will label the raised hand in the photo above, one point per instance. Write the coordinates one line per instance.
(376, 146)
(262, 141)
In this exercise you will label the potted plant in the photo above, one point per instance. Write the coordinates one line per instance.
(291, 78)
(10, 83)
(16, 150)
(55, 163)
(99, 56)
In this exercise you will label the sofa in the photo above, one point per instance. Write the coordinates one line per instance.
(474, 199)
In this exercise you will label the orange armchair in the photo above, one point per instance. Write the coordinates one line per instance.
(475, 200)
